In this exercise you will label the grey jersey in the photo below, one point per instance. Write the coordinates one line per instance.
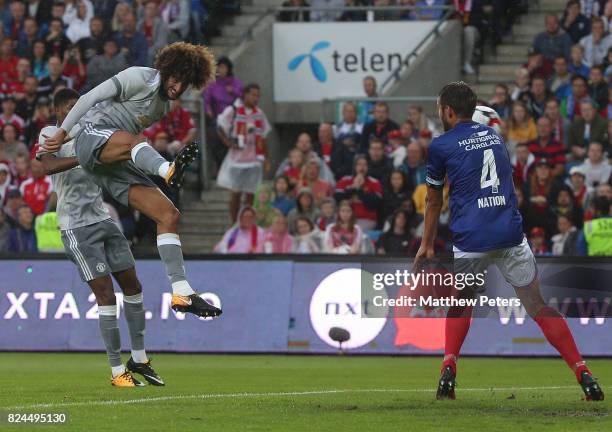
(136, 105)
(79, 199)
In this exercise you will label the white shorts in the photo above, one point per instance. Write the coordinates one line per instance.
(516, 264)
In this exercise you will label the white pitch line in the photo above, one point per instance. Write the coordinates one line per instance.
(270, 394)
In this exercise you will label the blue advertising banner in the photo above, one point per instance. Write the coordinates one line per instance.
(289, 305)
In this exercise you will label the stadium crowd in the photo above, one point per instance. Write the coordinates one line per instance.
(46, 45)
(359, 185)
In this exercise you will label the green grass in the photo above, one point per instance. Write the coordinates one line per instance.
(245, 393)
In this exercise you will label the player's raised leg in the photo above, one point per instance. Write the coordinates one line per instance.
(109, 330)
(558, 334)
(135, 316)
(155, 205)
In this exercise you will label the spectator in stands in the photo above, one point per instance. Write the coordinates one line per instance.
(22, 170)
(121, 9)
(596, 167)
(8, 115)
(297, 15)
(396, 149)
(554, 41)
(56, 41)
(426, 14)
(175, 14)
(414, 166)
(576, 183)
(545, 146)
(104, 66)
(332, 13)
(243, 128)
(8, 61)
(244, 237)
(328, 214)
(217, 97)
(276, 238)
(365, 109)
(597, 44)
(13, 25)
(93, 44)
(179, 126)
(79, 28)
(343, 156)
(575, 24)
(352, 15)
(564, 205)
(408, 131)
(521, 126)
(37, 189)
(537, 65)
(396, 241)
(379, 127)
(71, 11)
(27, 103)
(345, 236)
(564, 242)
(570, 106)
(40, 10)
(55, 79)
(471, 15)
(395, 192)
(598, 87)
(379, 165)
(132, 42)
(559, 123)
(521, 83)
(308, 238)
(501, 101)
(155, 30)
(283, 200)
(420, 120)
(521, 162)
(264, 211)
(577, 65)
(592, 245)
(310, 179)
(104, 8)
(6, 180)
(305, 206)
(537, 241)
(560, 83)
(586, 129)
(293, 171)
(10, 146)
(22, 237)
(350, 125)
(39, 60)
(74, 68)
(538, 192)
(4, 232)
(363, 192)
(535, 99)
(27, 37)
(325, 142)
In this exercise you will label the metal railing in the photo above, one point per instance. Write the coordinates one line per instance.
(335, 104)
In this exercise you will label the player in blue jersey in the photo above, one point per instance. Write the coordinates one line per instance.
(487, 228)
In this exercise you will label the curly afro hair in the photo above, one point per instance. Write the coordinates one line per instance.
(192, 65)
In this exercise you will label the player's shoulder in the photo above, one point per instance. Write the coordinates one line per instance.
(147, 76)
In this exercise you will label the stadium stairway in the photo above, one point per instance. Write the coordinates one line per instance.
(204, 221)
(512, 54)
(232, 32)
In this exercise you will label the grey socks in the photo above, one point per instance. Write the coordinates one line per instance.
(135, 317)
(109, 329)
(149, 160)
(169, 246)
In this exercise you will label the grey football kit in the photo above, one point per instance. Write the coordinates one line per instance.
(91, 238)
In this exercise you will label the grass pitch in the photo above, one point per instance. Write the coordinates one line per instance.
(302, 393)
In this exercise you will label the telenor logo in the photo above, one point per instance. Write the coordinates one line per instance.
(316, 67)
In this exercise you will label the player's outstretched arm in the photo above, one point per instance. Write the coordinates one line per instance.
(54, 165)
(433, 207)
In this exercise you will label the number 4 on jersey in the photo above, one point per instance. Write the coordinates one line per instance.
(488, 178)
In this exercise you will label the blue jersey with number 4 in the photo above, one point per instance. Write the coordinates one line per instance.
(483, 205)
